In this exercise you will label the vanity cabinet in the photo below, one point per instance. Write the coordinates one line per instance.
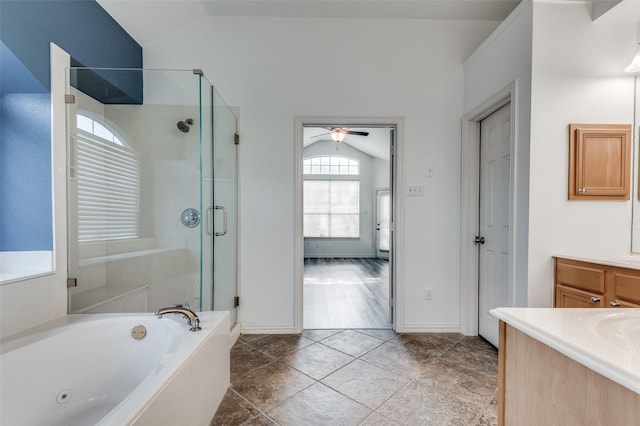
(539, 385)
(581, 284)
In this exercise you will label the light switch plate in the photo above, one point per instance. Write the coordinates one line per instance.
(415, 190)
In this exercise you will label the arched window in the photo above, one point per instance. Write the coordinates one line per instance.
(331, 165)
(108, 178)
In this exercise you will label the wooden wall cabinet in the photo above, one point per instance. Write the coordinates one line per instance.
(592, 285)
(599, 161)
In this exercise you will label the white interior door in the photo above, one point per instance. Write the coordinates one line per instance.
(495, 188)
(383, 222)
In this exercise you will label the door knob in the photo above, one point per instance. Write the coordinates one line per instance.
(478, 240)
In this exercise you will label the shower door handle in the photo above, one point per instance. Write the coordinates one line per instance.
(224, 212)
(209, 220)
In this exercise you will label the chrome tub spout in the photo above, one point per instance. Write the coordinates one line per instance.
(192, 317)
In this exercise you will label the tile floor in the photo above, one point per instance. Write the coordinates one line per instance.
(361, 377)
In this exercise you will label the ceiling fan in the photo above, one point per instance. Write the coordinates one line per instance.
(339, 133)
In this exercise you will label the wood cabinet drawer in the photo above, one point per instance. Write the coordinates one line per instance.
(623, 304)
(568, 297)
(581, 275)
(626, 285)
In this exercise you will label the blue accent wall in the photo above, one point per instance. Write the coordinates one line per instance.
(25, 172)
(91, 37)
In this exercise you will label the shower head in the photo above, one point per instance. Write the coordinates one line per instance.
(184, 126)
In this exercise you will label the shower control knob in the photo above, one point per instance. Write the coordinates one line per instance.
(190, 218)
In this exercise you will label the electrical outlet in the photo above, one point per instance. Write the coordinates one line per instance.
(427, 294)
(415, 190)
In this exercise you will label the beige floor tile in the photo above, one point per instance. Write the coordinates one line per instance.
(234, 410)
(424, 402)
(319, 405)
(397, 359)
(245, 357)
(365, 383)
(353, 343)
(368, 377)
(317, 360)
(318, 335)
(270, 384)
(278, 345)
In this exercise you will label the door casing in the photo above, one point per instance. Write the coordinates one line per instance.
(470, 206)
(396, 274)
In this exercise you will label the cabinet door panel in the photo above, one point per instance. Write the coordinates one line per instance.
(627, 285)
(567, 297)
(599, 161)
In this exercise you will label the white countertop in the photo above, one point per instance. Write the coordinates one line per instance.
(630, 260)
(605, 340)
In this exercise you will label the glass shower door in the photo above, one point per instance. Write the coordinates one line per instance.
(225, 207)
(138, 156)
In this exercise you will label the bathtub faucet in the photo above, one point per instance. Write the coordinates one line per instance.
(191, 316)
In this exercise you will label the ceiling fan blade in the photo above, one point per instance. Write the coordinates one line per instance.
(353, 132)
(324, 134)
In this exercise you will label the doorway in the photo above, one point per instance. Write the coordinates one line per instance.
(345, 182)
(484, 206)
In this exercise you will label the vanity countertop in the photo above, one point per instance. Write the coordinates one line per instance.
(629, 260)
(605, 340)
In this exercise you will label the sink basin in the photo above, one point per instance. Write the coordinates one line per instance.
(621, 329)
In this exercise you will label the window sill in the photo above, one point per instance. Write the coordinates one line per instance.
(123, 256)
(24, 265)
(90, 299)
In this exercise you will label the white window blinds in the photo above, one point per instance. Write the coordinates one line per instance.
(108, 176)
(331, 208)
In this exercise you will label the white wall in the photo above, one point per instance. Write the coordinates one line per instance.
(567, 69)
(277, 69)
(578, 77)
(504, 59)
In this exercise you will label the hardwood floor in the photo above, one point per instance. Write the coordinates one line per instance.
(346, 293)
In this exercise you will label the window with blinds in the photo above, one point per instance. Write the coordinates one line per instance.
(108, 178)
(331, 208)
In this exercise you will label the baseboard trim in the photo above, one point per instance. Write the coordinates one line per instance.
(334, 255)
(430, 328)
(274, 329)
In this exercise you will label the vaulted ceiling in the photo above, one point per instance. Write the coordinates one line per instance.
(148, 20)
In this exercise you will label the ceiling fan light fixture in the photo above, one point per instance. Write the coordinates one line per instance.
(338, 135)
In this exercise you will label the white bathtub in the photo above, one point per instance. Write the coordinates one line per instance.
(88, 369)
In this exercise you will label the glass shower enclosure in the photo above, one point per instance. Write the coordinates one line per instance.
(151, 190)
